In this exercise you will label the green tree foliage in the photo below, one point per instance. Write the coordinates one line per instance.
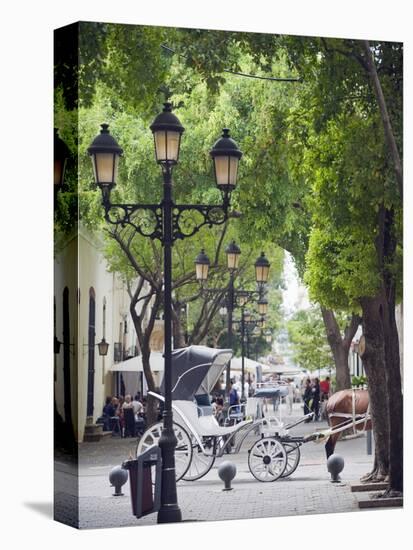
(307, 334)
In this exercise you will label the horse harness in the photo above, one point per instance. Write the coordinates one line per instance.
(355, 418)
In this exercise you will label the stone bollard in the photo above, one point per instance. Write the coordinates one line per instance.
(335, 465)
(118, 477)
(226, 472)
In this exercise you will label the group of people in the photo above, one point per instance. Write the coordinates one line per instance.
(124, 415)
(314, 393)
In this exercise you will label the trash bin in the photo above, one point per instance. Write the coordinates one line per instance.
(145, 491)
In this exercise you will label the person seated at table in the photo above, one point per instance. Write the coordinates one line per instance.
(218, 409)
(107, 413)
(112, 410)
(137, 405)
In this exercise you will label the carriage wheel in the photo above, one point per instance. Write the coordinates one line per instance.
(183, 450)
(200, 464)
(293, 458)
(267, 459)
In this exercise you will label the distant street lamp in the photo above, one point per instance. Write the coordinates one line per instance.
(262, 269)
(169, 226)
(247, 324)
(202, 264)
(262, 306)
(103, 346)
(233, 297)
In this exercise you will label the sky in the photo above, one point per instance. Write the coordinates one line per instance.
(295, 295)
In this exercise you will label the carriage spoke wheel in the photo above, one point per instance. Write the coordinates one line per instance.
(200, 463)
(267, 459)
(183, 449)
(293, 458)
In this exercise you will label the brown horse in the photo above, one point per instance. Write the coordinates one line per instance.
(343, 408)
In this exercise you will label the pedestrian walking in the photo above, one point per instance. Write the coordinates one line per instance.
(315, 404)
(290, 395)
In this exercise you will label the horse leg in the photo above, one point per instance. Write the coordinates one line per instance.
(329, 447)
(331, 444)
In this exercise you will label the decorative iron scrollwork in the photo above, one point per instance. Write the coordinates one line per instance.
(189, 219)
(147, 219)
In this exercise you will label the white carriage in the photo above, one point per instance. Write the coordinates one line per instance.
(200, 439)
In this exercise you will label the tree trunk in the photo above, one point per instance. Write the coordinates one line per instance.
(395, 398)
(343, 380)
(340, 346)
(392, 356)
(374, 365)
(144, 337)
(152, 403)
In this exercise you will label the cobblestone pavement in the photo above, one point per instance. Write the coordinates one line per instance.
(307, 491)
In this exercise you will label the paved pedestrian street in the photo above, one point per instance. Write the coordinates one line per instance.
(307, 491)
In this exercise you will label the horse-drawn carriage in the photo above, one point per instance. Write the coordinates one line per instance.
(201, 440)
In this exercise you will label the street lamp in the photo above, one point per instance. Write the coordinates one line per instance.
(202, 264)
(103, 346)
(167, 132)
(169, 226)
(262, 269)
(105, 153)
(247, 325)
(235, 297)
(225, 155)
(233, 253)
(262, 306)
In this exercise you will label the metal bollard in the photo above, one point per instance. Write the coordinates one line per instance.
(118, 477)
(226, 472)
(335, 465)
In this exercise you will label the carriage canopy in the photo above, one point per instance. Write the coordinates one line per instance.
(196, 370)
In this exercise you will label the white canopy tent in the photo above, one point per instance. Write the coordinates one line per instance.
(285, 370)
(320, 373)
(134, 364)
(131, 369)
(249, 365)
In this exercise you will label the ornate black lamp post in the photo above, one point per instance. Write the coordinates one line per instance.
(235, 297)
(169, 226)
(246, 325)
(202, 264)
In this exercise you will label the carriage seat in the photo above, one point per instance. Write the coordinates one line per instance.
(206, 426)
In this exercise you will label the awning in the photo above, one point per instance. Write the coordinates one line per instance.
(134, 364)
(249, 365)
(285, 370)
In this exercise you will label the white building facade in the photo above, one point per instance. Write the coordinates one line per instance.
(90, 303)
